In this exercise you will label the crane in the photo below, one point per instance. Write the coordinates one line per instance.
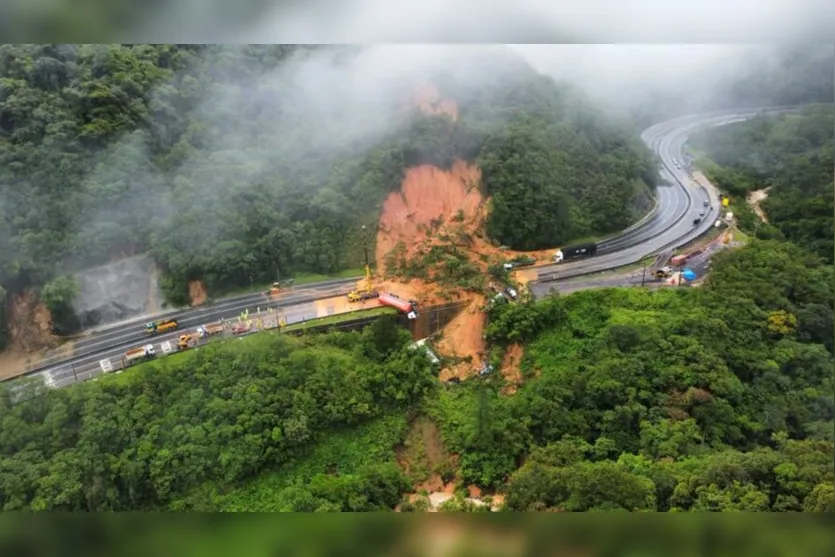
(367, 291)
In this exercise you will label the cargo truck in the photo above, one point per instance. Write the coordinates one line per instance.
(210, 330)
(678, 260)
(391, 300)
(161, 326)
(575, 252)
(140, 354)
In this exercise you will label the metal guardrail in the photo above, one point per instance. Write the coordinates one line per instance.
(47, 363)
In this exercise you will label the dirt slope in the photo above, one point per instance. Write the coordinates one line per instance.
(30, 332)
(437, 207)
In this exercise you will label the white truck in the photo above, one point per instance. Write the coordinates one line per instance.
(210, 329)
(136, 355)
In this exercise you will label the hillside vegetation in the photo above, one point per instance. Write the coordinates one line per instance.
(712, 398)
(227, 163)
(163, 434)
(791, 156)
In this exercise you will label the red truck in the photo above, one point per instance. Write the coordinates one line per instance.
(391, 300)
(678, 260)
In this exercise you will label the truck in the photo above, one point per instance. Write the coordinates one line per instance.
(575, 252)
(210, 330)
(160, 326)
(392, 300)
(136, 355)
(521, 261)
(678, 260)
(241, 328)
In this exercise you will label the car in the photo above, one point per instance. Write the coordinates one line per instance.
(706, 203)
(701, 213)
(696, 221)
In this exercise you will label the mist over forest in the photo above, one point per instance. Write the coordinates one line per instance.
(230, 162)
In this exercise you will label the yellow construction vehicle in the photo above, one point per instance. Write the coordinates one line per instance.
(367, 291)
(187, 340)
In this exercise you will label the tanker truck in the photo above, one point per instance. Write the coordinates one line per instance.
(391, 300)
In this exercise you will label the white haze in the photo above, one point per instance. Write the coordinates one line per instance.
(371, 21)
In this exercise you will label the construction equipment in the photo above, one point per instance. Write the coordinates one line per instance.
(161, 326)
(136, 355)
(188, 340)
(241, 328)
(367, 291)
(279, 286)
(662, 273)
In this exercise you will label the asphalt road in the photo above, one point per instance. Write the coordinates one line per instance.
(678, 203)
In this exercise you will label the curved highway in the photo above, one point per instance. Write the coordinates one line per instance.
(679, 201)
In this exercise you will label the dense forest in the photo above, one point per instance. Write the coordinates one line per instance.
(711, 398)
(227, 163)
(792, 156)
(156, 438)
(716, 398)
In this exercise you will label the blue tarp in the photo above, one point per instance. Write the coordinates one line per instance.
(687, 274)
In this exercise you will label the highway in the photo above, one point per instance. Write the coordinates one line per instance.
(679, 201)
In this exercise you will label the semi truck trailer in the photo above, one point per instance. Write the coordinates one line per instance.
(161, 326)
(140, 354)
(575, 252)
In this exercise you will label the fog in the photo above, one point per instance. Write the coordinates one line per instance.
(256, 129)
(370, 21)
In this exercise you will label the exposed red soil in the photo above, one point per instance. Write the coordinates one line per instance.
(433, 203)
(197, 292)
(511, 369)
(463, 338)
(428, 99)
(427, 194)
(30, 332)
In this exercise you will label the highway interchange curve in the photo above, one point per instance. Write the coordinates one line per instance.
(670, 224)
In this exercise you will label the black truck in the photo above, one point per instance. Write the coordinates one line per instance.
(575, 252)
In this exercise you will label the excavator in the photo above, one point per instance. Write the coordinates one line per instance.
(367, 291)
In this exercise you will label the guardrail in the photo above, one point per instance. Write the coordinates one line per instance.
(47, 363)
